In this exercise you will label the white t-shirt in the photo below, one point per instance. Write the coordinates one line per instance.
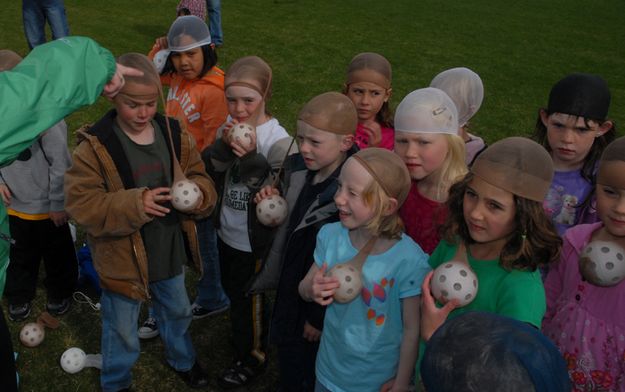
(233, 216)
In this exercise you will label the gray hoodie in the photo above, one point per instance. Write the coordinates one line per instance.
(36, 183)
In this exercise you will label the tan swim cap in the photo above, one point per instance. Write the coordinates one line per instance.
(8, 59)
(370, 67)
(517, 165)
(330, 112)
(387, 169)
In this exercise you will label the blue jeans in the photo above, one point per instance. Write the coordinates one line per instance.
(120, 342)
(210, 293)
(35, 13)
(214, 21)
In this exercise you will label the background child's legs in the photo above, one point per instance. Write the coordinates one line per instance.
(120, 343)
(34, 23)
(210, 293)
(247, 313)
(8, 381)
(59, 257)
(25, 255)
(56, 17)
(214, 21)
(173, 315)
(297, 366)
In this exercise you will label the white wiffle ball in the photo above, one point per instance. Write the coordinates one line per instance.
(272, 211)
(602, 263)
(73, 360)
(454, 280)
(350, 281)
(185, 195)
(242, 133)
(32, 334)
(160, 59)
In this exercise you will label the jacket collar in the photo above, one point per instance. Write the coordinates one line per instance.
(103, 131)
(328, 194)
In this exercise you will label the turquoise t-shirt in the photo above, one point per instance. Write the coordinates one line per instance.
(361, 340)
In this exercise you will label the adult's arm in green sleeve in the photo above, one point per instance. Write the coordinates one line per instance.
(54, 80)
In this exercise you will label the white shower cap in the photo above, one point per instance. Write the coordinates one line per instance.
(427, 110)
(186, 33)
(464, 87)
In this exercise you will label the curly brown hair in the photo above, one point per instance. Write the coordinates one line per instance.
(533, 244)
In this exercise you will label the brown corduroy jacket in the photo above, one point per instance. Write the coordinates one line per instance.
(100, 195)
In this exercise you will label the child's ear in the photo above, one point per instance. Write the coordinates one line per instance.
(347, 142)
(389, 92)
(391, 207)
(345, 88)
(544, 117)
(604, 128)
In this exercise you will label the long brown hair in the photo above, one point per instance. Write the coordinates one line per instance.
(599, 144)
(380, 65)
(533, 243)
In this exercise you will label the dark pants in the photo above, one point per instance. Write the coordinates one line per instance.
(297, 366)
(247, 313)
(35, 240)
(8, 382)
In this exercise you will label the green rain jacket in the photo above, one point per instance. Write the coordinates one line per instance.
(54, 80)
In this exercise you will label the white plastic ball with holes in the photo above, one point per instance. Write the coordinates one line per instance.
(272, 211)
(160, 59)
(350, 282)
(32, 334)
(242, 134)
(602, 263)
(454, 280)
(185, 195)
(73, 360)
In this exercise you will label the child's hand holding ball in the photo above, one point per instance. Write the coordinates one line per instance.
(323, 287)
(241, 137)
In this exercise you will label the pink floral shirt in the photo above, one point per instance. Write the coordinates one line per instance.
(196, 7)
(586, 322)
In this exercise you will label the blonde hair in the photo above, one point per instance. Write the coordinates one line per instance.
(454, 167)
(387, 226)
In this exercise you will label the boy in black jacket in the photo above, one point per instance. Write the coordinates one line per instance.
(325, 136)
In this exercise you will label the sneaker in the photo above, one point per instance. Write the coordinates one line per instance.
(58, 308)
(199, 312)
(194, 378)
(149, 329)
(19, 312)
(239, 375)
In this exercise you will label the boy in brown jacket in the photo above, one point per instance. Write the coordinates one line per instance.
(118, 189)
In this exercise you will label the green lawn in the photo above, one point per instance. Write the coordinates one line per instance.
(518, 48)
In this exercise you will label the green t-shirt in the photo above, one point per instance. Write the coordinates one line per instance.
(516, 294)
(162, 237)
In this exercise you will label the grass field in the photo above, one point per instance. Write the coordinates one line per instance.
(518, 48)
